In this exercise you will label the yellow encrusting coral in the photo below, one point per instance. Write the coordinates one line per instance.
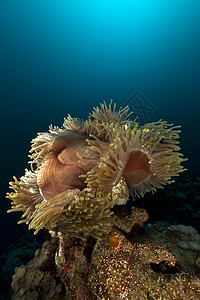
(84, 168)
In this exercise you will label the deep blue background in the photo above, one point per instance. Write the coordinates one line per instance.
(66, 56)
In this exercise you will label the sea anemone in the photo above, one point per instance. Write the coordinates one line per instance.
(80, 171)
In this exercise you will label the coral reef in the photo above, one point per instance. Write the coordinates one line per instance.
(77, 188)
(123, 224)
(177, 203)
(80, 171)
(15, 256)
(133, 264)
(186, 237)
(38, 279)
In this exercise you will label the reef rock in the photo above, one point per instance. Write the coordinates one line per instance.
(146, 263)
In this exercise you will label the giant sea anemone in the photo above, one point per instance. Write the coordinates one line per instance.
(80, 171)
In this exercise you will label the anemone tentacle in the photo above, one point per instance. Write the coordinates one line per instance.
(84, 168)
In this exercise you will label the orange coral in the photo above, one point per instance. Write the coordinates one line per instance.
(113, 241)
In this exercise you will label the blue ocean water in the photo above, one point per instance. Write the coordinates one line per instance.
(60, 57)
